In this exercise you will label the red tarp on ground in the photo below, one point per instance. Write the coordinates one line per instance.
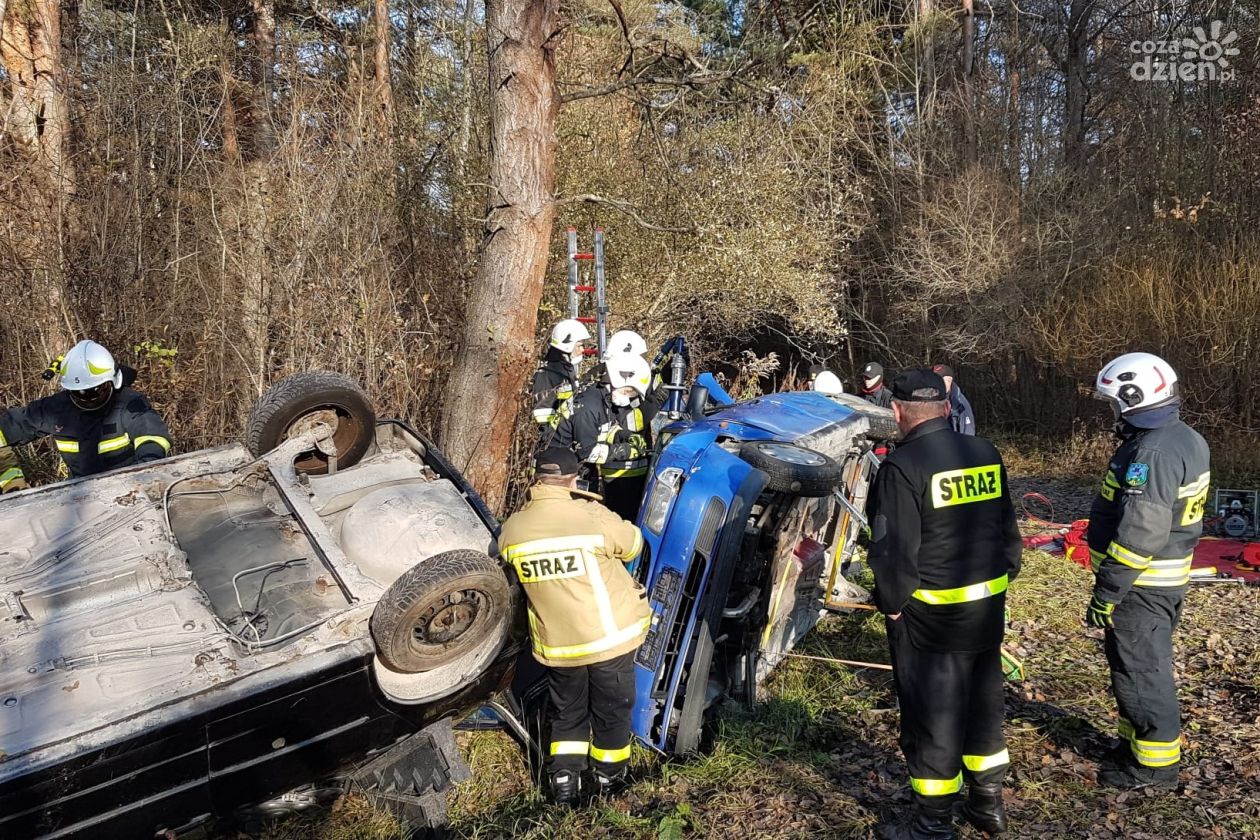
(1211, 552)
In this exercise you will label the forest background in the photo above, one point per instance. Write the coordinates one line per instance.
(228, 191)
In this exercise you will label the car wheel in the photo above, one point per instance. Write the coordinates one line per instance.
(440, 610)
(793, 469)
(295, 403)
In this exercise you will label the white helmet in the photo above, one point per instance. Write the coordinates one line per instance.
(87, 365)
(566, 334)
(89, 373)
(828, 383)
(624, 341)
(1136, 381)
(627, 370)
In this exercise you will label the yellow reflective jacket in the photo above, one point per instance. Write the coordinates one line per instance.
(569, 553)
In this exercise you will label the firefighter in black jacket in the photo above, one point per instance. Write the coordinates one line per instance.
(97, 422)
(1143, 528)
(609, 426)
(873, 389)
(556, 379)
(944, 547)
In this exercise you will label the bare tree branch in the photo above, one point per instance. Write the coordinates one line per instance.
(624, 207)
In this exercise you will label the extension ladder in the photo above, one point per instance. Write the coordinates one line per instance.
(578, 288)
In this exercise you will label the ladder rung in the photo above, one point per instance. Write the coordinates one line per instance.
(589, 351)
(586, 319)
(584, 256)
(583, 288)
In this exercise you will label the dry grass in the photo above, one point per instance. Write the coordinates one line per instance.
(819, 758)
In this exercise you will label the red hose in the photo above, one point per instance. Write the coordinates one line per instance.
(1037, 520)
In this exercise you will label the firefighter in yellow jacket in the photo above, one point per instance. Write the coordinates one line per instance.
(587, 617)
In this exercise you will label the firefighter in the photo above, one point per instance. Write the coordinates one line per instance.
(944, 547)
(97, 422)
(873, 389)
(587, 617)
(827, 383)
(609, 426)
(624, 341)
(556, 379)
(961, 417)
(1143, 528)
(11, 476)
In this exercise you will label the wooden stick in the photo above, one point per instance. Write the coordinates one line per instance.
(878, 665)
(850, 605)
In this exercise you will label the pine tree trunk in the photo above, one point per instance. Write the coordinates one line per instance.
(487, 383)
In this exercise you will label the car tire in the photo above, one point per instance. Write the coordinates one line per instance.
(304, 398)
(881, 427)
(440, 610)
(793, 469)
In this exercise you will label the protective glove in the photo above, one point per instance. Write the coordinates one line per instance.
(638, 443)
(14, 485)
(1099, 613)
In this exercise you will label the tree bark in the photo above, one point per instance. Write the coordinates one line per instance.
(383, 81)
(970, 140)
(487, 383)
(37, 119)
(1076, 71)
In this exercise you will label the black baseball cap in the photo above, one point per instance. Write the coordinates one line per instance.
(943, 370)
(918, 385)
(558, 461)
(873, 370)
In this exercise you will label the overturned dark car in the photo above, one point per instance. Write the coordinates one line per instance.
(184, 638)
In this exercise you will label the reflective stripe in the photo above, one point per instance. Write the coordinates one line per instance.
(610, 756)
(602, 601)
(158, 439)
(980, 763)
(637, 547)
(1109, 480)
(599, 454)
(10, 475)
(635, 420)
(64, 445)
(114, 444)
(3, 442)
(963, 594)
(569, 747)
(936, 787)
(623, 472)
(1129, 558)
(575, 651)
(1095, 559)
(1166, 573)
(1195, 487)
(543, 415)
(1156, 753)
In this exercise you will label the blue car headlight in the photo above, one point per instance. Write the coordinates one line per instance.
(664, 491)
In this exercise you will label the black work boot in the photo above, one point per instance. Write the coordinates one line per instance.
(564, 786)
(1135, 776)
(609, 785)
(984, 808)
(928, 823)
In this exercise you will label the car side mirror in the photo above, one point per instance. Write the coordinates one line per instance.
(697, 400)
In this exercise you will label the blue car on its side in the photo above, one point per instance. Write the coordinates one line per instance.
(750, 517)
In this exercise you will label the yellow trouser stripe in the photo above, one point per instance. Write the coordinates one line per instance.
(1156, 753)
(10, 474)
(1129, 558)
(569, 747)
(1095, 559)
(936, 787)
(543, 415)
(67, 445)
(114, 444)
(963, 594)
(3, 441)
(158, 439)
(610, 756)
(980, 763)
(575, 651)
